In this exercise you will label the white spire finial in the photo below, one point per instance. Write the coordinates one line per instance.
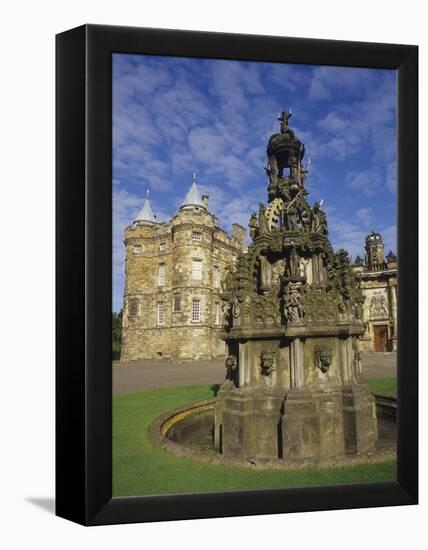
(289, 110)
(194, 177)
(147, 193)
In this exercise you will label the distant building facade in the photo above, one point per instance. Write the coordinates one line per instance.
(173, 275)
(378, 278)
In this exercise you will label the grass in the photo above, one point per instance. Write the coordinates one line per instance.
(384, 386)
(141, 468)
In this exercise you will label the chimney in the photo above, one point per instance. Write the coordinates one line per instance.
(205, 200)
(239, 232)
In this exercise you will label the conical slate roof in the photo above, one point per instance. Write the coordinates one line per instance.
(193, 197)
(146, 213)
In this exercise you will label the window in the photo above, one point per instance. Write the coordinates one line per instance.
(196, 236)
(162, 246)
(133, 307)
(216, 277)
(161, 275)
(176, 303)
(196, 270)
(161, 317)
(196, 310)
(217, 313)
(137, 249)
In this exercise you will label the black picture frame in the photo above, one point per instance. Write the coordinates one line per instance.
(84, 274)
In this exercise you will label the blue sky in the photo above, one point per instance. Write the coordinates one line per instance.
(173, 116)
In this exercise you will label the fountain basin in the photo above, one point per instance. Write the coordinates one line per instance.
(188, 431)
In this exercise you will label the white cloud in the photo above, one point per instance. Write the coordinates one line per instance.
(364, 215)
(370, 182)
(327, 82)
(333, 122)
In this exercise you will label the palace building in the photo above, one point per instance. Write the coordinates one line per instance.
(378, 280)
(173, 274)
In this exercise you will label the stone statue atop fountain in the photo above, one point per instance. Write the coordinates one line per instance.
(262, 221)
(284, 117)
(319, 220)
(254, 226)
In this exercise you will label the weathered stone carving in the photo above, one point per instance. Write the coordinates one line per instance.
(293, 308)
(323, 357)
(236, 312)
(319, 305)
(268, 362)
(319, 220)
(226, 314)
(292, 297)
(378, 306)
(231, 365)
(273, 212)
(254, 226)
(284, 117)
(356, 358)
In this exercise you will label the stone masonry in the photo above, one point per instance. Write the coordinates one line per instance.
(378, 281)
(172, 307)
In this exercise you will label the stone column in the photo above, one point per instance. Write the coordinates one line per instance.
(297, 379)
(345, 355)
(265, 274)
(244, 364)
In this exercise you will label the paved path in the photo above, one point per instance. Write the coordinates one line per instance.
(150, 374)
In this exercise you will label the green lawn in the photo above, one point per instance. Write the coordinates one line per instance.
(141, 468)
(384, 386)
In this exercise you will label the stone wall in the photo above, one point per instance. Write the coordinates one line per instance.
(380, 306)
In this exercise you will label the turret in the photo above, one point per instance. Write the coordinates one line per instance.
(145, 215)
(375, 254)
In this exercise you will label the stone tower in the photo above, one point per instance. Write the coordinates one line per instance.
(293, 388)
(375, 253)
(173, 271)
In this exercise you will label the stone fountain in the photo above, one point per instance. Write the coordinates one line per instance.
(294, 387)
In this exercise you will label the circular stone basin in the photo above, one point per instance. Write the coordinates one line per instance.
(191, 426)
(189, 431)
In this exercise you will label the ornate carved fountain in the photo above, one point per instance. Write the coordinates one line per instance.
(292, 315)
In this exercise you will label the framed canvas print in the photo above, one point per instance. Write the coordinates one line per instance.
(236, 275)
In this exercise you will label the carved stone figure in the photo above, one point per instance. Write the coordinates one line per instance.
(272, 170)
(284, 118)
(263, 225)
(323, 357)
(231, 365)
(291, 217)
(226, 313)
(268, 362)
(303, 268)
(254, 226)
(294, 264)
(293, 308)
(236, 313)
(378, 306)
(227, 283)
(319, 220)
(356, 359)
